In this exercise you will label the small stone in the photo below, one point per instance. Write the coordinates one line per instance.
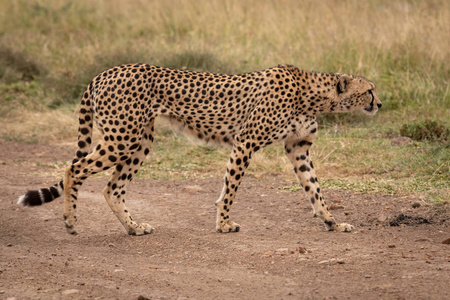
(281, 251)
(391, 246)
(367, 276)
(70, 292)
(302, 250)
(415, 205)
(9, 245)
(382, 219)
(328, 261)
(192, 188)
(334, 207)
(143, 298)
(424, 240)
(446, 242)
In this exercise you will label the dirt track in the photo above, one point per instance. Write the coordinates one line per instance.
(280, 253)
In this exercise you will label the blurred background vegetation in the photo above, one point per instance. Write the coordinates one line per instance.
(50, 50)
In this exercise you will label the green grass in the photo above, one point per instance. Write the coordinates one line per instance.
(51, 49)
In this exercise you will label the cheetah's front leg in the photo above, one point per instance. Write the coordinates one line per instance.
(298, 153)
(237, 164)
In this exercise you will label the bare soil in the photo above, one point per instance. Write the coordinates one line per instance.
(282, 252)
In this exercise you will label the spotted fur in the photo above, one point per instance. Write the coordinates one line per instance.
(248, 111)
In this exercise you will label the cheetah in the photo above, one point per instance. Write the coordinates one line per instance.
(248, 111)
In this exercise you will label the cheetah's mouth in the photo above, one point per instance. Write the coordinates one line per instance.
(371, 110)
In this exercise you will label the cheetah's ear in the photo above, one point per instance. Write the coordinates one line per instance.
(344, 81)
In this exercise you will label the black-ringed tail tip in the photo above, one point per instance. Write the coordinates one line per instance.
(41, 196)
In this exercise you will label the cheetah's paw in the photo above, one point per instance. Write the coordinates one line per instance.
(342, 227)
(142, 229)
(228, 226)
(70, 226)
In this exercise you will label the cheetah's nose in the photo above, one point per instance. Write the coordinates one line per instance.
(379, 105)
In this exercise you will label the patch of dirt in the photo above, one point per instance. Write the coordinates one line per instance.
(281, 252)
(408, 220)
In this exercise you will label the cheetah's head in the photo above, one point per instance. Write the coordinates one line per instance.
(357, 93)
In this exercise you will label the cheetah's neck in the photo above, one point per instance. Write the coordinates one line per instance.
(318, 92)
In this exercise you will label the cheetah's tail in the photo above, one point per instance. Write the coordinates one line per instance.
(41, 196)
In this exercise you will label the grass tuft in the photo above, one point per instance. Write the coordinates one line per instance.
(426, 130)
(15, 66)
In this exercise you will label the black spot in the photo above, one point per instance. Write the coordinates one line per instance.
(304, 143)
(329, 223)
(304, 168)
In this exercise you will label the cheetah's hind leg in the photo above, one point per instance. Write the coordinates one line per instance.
(115, 191)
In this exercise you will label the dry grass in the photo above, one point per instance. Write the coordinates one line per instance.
(357, 36)
(39, 126)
